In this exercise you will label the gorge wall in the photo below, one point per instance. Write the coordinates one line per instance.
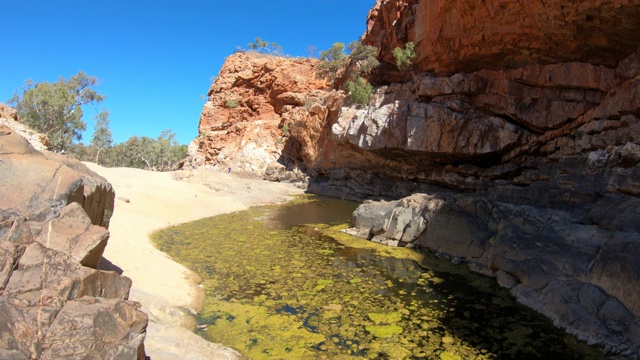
(517, 142)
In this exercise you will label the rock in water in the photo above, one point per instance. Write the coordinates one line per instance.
(582, 276)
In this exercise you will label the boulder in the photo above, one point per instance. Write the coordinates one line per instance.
(37, 185)
(96, 328)
(53, 302)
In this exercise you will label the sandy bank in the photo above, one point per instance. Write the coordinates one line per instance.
(147, 201)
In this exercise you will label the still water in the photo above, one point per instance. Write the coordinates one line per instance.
(282, 282)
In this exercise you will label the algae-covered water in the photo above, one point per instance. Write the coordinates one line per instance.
(280, 288)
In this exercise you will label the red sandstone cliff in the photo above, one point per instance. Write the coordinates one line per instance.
(469, 35)
(241, 123)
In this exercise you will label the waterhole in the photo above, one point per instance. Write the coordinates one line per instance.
(283, 282)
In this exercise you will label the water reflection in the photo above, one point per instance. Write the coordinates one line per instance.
(279, 289)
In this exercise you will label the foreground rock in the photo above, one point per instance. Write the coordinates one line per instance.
(53, 302)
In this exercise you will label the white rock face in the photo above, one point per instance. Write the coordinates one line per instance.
(36, 140)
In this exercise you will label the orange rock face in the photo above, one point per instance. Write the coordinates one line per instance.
(469, 35)
(241, 124)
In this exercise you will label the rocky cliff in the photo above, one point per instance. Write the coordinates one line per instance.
(242, 126)
(54, 304)
(518, 135)
(468, 35)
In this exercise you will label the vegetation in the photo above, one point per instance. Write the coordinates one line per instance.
(160, 154)
(360, 90)
(405, 56)
(55, 109)
(331, 62)
(231, 103)
(265, 47)
(101, 134)
(106, 217)
(312, 51)
(361, 59)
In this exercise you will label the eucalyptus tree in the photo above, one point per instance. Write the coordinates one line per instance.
(332, 61)
(55, 109)
(101, 139)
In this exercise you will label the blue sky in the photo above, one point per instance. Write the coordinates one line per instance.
(156, 59)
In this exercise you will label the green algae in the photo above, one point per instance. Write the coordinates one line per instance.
(385, 318)
(384, 331)
(449, 356)
(257, 331)
(275, 290)
(336, 232)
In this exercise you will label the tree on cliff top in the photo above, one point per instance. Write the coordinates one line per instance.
(55, 109)
(331, 62)
(266, 47)
(335, 63)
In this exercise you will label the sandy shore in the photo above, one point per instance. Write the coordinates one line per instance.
(147, 201)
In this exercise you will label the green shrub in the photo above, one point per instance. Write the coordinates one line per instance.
(335, 63)
(265, 47)
(231, 103)
(106, 218)
(360, 90)
(405, 56)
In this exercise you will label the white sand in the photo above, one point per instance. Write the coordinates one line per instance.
(167, 290)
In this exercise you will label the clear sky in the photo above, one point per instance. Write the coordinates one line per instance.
(156, 58)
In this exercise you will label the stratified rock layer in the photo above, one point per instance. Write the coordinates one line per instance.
(53, 302)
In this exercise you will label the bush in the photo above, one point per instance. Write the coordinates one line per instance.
(406, 56)
(360, 90)
(231, 103)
